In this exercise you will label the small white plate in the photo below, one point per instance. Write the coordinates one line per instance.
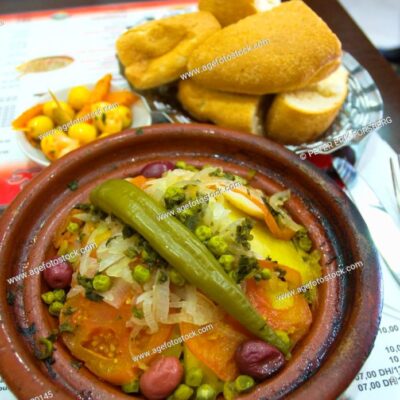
(141, 117)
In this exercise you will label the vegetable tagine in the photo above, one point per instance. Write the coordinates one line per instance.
(59, 127)
(175, 250)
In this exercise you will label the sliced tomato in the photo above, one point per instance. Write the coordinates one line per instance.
(101, 339)
(216, 348)
(292, 315)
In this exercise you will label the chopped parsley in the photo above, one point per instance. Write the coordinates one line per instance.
(73, 185)
(246, 266)
(243, 235)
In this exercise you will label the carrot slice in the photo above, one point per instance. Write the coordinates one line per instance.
(276, 230)
(101, 89)
(123, 97)
(216, 348)
(23, 119)
(86, 109)
(138, 181)
(295, 320)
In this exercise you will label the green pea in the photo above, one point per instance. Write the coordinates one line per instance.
(131, 252)
(174, 196)
(141, 274)
(266, 274)
(203, 232)
(59, 295)
(229, 391)
(55, 308)
(206, 392)
(48, 297)
(176, 278)
(101, 283)
(72, 227)
(187, 167)
(132, 387)
(233, 275)
(46, 348)
(137, 312)
(217, 245)
(227, 260)
(183, 392)
(243, 383)
(194, 377)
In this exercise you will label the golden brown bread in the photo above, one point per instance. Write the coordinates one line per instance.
(228, 12)
(157, 52)
(301, 49)
(234, 111)
(303, 115)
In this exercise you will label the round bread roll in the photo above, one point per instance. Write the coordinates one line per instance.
(303, 115)
(228, 12)
(283, 49)
(235, 111)
(157, 52)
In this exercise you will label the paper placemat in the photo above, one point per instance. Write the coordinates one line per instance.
(88, 35)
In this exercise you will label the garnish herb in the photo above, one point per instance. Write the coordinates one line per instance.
(73, 185)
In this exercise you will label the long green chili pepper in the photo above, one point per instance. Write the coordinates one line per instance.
(184, 251)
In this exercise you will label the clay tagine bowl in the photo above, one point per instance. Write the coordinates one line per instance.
(345, 321)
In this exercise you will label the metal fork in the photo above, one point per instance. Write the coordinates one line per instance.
(395, 169)
(163, 106)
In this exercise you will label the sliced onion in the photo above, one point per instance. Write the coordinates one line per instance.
(190, 300)
(118, 293)
(176, 304)
(144, 296)
(277, 201)
(148, 312)
(136, 322)
(161, 299)
(109, 261)
(88, 266)
(75, 291)
(85, 217)
(178, 318)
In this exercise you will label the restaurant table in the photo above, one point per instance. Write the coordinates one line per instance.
(373, 157)
(353, 39)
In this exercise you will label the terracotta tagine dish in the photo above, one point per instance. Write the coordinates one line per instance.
(345, 312)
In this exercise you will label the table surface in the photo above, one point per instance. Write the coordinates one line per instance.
(353, 39)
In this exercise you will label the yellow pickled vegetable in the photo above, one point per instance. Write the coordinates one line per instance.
(52, 110)
(83, 132)
(78, 96)
(106, 119)
(39, 125)
(126, 116)
(54, 144)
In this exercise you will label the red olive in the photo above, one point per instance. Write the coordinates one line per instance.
(258, 359)
(156, 169)
(59, 275)
(162, 378)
